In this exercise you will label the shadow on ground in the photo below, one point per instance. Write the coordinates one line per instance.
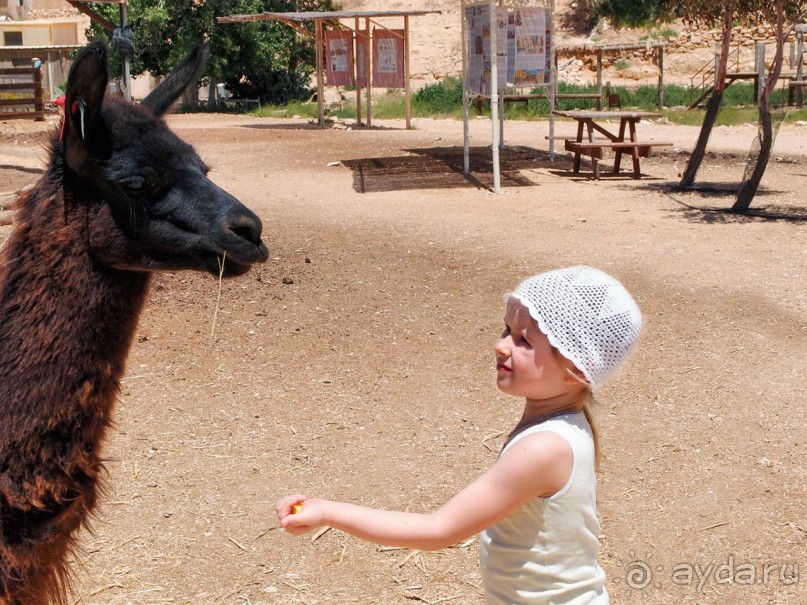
(442, 168)
(711, 203)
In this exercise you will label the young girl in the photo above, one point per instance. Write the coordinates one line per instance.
(565, 332)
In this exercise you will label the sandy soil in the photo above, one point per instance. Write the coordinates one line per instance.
(358, 364)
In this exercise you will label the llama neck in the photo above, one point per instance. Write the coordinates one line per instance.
(66, 323)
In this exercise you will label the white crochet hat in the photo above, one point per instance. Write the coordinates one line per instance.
(586, 314)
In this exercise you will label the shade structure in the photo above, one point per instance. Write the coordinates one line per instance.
(368, 57)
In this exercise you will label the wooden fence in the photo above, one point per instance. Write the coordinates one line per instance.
(30, 82)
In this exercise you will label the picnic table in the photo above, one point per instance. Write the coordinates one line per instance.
(589, 122)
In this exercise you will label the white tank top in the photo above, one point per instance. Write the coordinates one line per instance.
(545, 553)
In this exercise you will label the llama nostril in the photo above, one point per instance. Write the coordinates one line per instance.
(246, 233)
(247, 228)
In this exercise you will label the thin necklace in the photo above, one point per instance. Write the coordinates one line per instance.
(532, 421)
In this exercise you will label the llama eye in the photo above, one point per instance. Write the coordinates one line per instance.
(135, 183)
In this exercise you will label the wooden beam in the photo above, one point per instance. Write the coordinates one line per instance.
(107, 25)
(356, 70)
(368, 63)
(320, 85)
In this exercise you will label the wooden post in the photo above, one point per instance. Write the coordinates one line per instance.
(356, 70)
(39, 95)
(799, 63)
(660, 78)
(49, 63)
(599, 72)
(717, 64)
(501, 121)
(320, 85)
(368, 69)
(760, 69)
(406, 73)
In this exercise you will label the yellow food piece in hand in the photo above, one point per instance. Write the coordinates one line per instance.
(296, 509)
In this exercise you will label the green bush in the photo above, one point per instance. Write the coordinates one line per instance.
(631, 13)
(442, 98)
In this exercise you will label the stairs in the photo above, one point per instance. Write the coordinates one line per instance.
(707, 77)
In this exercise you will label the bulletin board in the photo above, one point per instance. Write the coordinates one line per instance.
(388, 50)
(523, 40)
(340, 66)
(506, 44)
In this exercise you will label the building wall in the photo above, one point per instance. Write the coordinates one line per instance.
(43, 33)
(16, 9)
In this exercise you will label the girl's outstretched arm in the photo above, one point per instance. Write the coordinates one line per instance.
(537, 466)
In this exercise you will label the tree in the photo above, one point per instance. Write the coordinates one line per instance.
(776, 13)
(726, 13)
(261, 59)
(709, 13)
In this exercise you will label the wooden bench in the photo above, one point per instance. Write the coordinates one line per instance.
(243, 104)
(594, 149)
(525, 98)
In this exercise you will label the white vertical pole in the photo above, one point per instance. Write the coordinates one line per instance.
(494, 95)
(406, 73)
(553, 74)
(357, 69)
(127, 79)
(466, 148)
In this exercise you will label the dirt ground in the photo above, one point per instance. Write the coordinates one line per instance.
(358, 364)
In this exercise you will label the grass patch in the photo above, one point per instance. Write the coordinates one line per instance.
(732, 116)
(444, 100)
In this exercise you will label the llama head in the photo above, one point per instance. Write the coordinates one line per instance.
(150, 203)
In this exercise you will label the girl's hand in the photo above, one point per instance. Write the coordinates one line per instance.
(298, 516)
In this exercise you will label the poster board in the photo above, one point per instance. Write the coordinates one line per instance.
(339, 58)
(523, 43)
(530, 56)
(388, 54)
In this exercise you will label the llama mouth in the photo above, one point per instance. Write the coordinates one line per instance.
(236, 263)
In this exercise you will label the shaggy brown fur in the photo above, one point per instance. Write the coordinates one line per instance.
(73, 279)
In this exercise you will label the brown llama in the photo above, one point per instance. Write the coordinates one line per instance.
(122, 196)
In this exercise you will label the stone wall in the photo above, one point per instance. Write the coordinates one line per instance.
(704, 44)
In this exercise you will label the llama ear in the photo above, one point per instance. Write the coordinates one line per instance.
(84, 95)
(175, 83)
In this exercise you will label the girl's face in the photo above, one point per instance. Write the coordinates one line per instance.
(526, 364)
